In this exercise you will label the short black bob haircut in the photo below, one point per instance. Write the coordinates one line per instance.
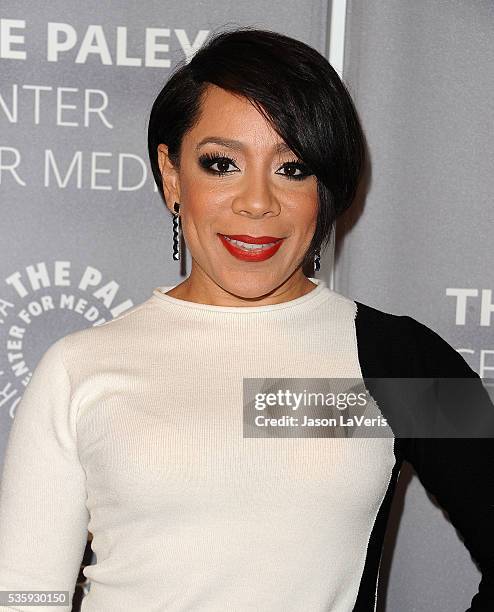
(297, 91)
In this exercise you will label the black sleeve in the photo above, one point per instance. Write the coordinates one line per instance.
(459, 472)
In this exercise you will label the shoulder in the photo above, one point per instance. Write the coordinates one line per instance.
(400, 345)
(96, 345)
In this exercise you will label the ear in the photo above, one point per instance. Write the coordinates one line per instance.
(169, 177)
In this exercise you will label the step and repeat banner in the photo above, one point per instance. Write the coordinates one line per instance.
(85, 234)
(421, 242)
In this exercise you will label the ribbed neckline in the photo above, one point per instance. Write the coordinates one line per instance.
(316, 295)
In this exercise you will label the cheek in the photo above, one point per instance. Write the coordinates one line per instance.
(304, 215)
(203, 197)
(203, 215)
(313, 207)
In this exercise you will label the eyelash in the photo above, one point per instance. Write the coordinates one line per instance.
(208, 159)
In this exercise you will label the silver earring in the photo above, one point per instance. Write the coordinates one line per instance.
(317, 260)
(176, 232)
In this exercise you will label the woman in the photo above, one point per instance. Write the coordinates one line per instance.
(133, 430)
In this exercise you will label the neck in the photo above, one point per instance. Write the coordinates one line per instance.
(204, 290)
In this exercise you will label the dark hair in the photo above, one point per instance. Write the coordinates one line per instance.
(294, 87)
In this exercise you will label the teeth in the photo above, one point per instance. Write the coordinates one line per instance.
(250, 247)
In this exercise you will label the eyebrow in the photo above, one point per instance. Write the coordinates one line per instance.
(279, 147)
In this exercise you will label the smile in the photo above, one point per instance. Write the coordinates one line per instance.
(251, 251)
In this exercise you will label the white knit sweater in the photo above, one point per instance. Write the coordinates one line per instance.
(133, 430)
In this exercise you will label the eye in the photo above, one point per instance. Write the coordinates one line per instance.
(294, 166)
(208, 160)
(294, 169)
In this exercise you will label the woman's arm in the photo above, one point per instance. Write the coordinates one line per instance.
(459, 472)
(43, 515)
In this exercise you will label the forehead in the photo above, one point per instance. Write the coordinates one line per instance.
(233, 117)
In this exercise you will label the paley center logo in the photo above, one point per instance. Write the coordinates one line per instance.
(48, 299)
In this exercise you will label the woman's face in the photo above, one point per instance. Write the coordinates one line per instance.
(237, 177)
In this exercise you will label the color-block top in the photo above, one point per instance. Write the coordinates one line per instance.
(133, 430)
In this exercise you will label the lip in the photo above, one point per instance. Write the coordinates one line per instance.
(252, 239)
(256, 255)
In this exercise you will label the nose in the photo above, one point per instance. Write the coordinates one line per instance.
(256, 199)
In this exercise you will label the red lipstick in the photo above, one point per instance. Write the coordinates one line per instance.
(252, 254)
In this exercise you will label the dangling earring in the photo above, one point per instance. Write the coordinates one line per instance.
(176, 232)
(317, 260)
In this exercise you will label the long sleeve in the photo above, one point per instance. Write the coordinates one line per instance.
(459, 472)
(43, 515)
